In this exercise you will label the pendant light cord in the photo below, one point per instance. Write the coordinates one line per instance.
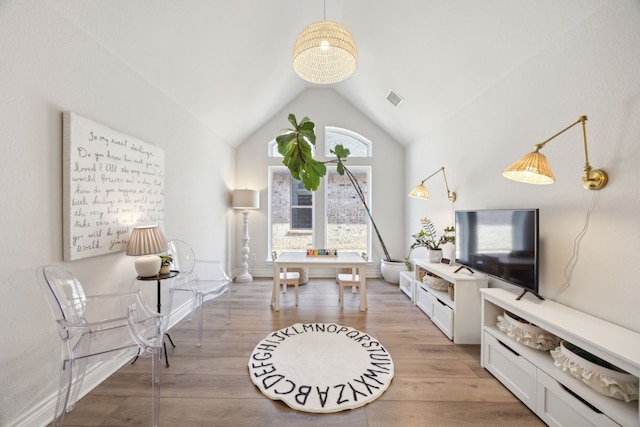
(568, 270)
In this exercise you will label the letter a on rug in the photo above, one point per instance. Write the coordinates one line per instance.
(321, 367)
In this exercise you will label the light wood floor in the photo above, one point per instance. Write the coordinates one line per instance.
(436, 383)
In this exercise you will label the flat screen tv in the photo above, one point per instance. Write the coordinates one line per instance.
(502, 243)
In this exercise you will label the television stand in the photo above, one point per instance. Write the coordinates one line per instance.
(558, 398)
(454, 304)
(524, 291)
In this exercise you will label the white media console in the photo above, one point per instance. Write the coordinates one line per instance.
(456, 309)
(555, 396)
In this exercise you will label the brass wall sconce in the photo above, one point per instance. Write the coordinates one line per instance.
(420, 192)
(534, 169)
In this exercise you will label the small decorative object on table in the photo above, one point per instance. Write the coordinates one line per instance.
(322, 252)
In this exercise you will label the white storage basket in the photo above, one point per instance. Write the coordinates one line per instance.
(527, 334)
(435, 282)
(596, 373)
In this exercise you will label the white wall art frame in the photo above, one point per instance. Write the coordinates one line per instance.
(111, 183)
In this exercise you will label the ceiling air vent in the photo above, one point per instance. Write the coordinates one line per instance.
(394, 98)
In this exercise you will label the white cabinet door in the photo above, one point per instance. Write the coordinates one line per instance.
(511, 369)
(425, 300)
(558, 407)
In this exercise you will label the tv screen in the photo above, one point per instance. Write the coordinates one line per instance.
(502, 243)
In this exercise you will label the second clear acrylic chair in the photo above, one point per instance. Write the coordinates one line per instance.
(98, 327)
(214, 283)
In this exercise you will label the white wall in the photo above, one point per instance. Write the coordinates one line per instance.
(325, 108)
(47, 67)
(591, 70)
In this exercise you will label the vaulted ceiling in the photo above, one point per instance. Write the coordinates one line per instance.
(228, 62)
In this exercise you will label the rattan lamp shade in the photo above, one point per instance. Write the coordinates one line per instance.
(531, 169)
(420, 192)
(325, 53)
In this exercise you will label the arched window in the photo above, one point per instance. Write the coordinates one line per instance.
(342, 221)
(358, 145)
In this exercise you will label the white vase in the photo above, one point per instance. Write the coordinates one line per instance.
(391, 270)
(434, 255)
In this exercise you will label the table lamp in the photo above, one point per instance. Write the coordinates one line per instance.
(145, 242)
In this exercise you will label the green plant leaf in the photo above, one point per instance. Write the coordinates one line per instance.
(341, 152)
(296, 145)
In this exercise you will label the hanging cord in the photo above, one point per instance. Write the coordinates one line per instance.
(568, 270)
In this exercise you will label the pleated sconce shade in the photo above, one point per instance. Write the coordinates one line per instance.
(533, 168)
(325, 53)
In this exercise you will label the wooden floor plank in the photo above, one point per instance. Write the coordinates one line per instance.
(436, 383)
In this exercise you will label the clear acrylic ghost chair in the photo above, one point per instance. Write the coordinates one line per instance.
(98, 327)
(349, 279)
(215, 284)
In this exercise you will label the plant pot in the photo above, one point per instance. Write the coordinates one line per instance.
(434, 255)
(391, 270)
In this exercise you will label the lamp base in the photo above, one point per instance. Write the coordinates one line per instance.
(148, 265)
(244, 278)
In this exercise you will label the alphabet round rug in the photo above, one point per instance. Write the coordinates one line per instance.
(321, 367)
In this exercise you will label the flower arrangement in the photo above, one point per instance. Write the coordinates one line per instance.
(427, 237)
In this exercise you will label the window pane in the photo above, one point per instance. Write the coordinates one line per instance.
(301, 207)
(358, 145)
(347, 220)
(301, 219)
(284, 216)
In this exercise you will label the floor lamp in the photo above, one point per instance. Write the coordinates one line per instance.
(245, 200)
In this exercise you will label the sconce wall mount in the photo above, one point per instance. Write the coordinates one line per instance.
(533, 168)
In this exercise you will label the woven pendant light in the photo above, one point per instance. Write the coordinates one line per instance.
(325, 53)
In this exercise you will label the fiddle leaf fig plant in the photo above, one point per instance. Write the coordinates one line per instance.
(296, 146)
